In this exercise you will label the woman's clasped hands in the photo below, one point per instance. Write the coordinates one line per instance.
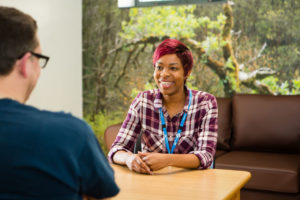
(135, 163)
(146, 163)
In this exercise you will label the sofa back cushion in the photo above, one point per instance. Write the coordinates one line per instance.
(224, 123)
(266, 123)
(110, 134)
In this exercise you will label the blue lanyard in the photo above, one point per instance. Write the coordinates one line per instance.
(163, 123)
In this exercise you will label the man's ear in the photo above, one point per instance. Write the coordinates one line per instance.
(23, 65)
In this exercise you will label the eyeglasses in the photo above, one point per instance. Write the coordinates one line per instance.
(43, 60)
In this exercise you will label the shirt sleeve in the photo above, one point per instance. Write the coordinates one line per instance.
(129, 131)
(207, 136)
(97, 177)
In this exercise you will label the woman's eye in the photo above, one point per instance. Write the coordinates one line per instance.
(173, 68)
(158, 67)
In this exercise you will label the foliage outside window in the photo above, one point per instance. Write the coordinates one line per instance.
(249, 47)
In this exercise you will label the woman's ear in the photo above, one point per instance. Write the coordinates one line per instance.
(188, 74)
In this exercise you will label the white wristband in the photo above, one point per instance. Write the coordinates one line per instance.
(129, 161)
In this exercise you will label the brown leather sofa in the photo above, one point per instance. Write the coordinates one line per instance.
(261, 134)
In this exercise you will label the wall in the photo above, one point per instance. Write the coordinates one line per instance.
(60, 23)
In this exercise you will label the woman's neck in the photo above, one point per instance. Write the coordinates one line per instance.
(174, 103)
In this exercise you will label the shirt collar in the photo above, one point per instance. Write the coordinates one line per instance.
(158, 99)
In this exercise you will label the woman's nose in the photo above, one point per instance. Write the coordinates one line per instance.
(165, 73)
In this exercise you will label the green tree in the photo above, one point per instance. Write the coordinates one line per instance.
(229, 57)
(149, 25)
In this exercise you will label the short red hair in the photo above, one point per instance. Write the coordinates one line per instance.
(172, 46)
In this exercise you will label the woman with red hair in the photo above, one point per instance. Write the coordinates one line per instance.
(178, 125)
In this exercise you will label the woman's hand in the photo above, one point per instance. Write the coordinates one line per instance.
(155, 161)
(135, 163)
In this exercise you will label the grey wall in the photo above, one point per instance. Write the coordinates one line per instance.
(59, 21)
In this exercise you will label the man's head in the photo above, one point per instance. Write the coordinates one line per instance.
(20, 54)
(17, 36)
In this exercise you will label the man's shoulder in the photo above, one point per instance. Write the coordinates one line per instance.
(63, 119)
(58, 115)
(60, 121)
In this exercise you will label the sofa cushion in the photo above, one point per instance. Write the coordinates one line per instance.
(266, 123)
(224, 123)
(269, 171)
(220, 153)
(247, 194)
(110, 134)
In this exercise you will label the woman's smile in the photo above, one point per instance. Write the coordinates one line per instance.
(166, 84)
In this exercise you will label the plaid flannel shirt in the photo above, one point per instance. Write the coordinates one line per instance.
(199, 133)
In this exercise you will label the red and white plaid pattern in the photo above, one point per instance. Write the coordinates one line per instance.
(199, 133)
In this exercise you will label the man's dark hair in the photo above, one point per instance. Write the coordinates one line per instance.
(17, 36)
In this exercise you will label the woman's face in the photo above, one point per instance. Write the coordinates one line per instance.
(169, 75)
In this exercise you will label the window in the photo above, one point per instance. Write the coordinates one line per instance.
(144, 3)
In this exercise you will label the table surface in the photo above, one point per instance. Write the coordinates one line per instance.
(177, 183)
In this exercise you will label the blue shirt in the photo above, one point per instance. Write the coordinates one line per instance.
(50, 155)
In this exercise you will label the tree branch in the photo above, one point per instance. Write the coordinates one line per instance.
(125, 66)
(146, 40)
(255, 57)
(216, 66)
(258, 74)
(226, 34)
(251, 80)
(122, 92)
(259, 86)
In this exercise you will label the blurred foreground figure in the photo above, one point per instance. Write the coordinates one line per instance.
(44, 155)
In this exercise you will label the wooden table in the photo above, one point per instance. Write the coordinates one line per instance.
(176, 183)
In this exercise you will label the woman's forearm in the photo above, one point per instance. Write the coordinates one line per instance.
(183, 160)
(158, 161)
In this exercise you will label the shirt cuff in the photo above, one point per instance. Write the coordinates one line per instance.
(205, 158)
(114, 150)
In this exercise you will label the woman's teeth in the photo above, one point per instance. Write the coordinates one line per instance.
(166, 84)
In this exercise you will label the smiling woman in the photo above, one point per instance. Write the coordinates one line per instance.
(178, 125)
(169, 77)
